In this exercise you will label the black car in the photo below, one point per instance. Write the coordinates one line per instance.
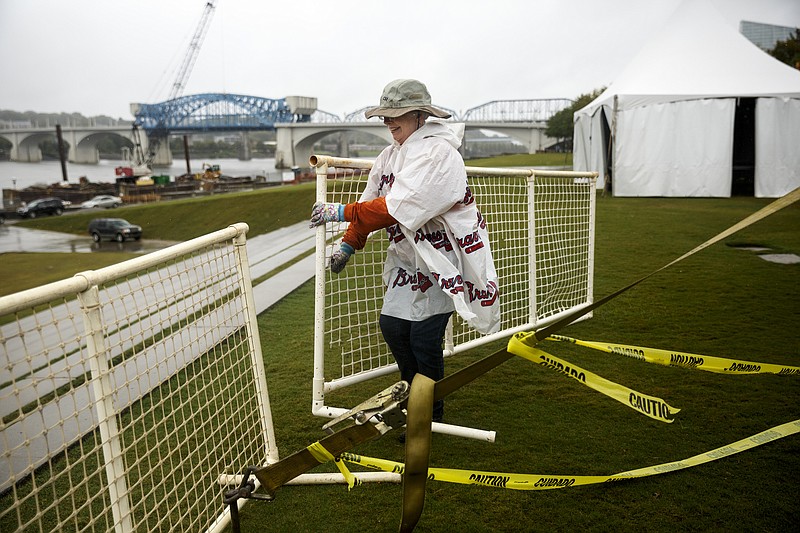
(42, 206)
(116, 229)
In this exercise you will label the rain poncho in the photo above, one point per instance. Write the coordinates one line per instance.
(439, 259)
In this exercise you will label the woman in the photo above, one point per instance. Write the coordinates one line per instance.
(438, 258)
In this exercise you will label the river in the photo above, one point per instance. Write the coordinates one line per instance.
(15, 175)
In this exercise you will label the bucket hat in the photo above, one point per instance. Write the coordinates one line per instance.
(402, 96)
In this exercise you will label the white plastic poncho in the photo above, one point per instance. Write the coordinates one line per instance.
(439, 259)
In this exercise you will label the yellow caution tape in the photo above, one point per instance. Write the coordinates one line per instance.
(546, 481)
(322, 455)
(651, 406)
(708, 363)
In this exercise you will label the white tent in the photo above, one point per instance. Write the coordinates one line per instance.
(666, 126)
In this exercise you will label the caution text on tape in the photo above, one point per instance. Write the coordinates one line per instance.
(547, 481)
(720, 365)
(651, 406)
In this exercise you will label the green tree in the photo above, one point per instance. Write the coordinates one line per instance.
(560, 124)
(788, 51)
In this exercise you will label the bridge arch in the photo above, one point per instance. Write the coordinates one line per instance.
(85, 149)
(530, 135)
(296, 141)
(5, 148)
(81, 142)
(26, 147)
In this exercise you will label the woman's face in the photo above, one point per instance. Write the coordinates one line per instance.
(403, 126)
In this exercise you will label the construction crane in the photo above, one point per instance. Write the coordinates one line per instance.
(143, 163)
(191, 54)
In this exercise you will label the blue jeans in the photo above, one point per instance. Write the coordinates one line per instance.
(417, 347)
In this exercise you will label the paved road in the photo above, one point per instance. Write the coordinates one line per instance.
(16, 239)
(269, 251)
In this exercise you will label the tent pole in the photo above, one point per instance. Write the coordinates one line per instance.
(610, 171)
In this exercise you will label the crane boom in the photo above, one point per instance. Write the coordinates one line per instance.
(160, 134)
(191, 54)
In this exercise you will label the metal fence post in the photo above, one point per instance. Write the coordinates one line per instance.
(103, 388)
(254, 342)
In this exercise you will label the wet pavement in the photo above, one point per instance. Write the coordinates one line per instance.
(266, 252)
(16, 239)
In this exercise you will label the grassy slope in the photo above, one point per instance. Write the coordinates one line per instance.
(179, 220)
(264, 210)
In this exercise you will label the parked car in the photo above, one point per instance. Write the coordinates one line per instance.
(42, 206)
(2, 217)
(104, 200)
(116, 229)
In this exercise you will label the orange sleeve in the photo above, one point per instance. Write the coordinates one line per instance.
(364, 218)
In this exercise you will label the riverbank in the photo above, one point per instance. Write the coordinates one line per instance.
(23, 182)
(46, 178)
(16, 175)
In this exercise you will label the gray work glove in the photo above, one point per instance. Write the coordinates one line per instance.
(340, 257)
(323, 212)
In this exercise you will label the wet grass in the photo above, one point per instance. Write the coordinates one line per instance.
(20, 271)
(264, 210)
(724, 301)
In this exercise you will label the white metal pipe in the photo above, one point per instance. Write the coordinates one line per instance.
(360, 377)
(436, 427)
(318, 384)
(563, 174)
(462, 431)
(323, 160)
(590, 266)
(332, 478)
(254, 344)
(320, 161)
(103, 388)
(532, 309)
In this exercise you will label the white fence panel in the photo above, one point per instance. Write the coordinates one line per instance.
(127, 392)
(541, 229)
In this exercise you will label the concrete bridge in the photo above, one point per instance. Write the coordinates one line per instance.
(296, 140)
(298, 123)
(82, 141)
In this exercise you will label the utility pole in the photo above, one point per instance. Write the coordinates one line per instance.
(62, 156)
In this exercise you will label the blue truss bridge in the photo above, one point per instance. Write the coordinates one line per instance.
(220, 112)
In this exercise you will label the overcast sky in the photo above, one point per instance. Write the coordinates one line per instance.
(97, 56)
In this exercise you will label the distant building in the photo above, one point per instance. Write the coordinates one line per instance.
(765, 36)
(230, 138)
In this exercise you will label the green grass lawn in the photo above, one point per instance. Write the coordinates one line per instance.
(27, 270)
(725, 301)
(264, 210)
